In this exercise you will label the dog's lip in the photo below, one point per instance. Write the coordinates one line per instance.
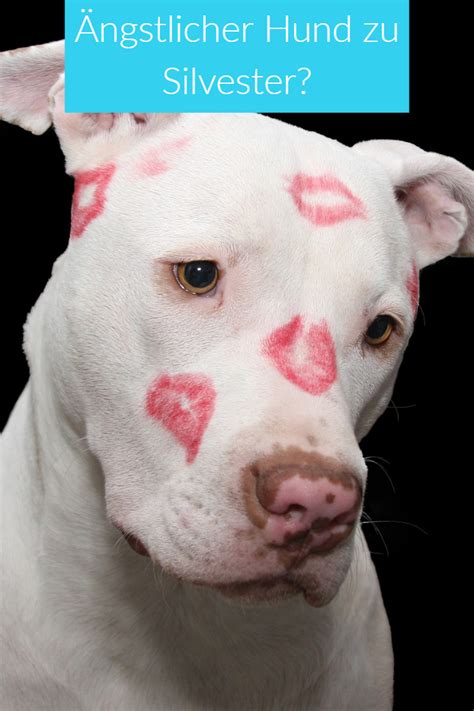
(293, 559)
(133, 541)
(300, 547)
(276, 583)
(277, 588)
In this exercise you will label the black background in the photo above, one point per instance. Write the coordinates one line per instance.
(426, 443)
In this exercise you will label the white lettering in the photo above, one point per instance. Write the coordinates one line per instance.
(92, 32)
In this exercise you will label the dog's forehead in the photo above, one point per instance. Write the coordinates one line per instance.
(258, 182)
(247, 152)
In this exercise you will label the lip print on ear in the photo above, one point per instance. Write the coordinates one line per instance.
(345, 205)
(184, 404)
(413, 287)
(155, 160)
(305, 358)
(88, 201)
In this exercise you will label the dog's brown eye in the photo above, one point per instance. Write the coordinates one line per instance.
(380, 330)
(198, 277)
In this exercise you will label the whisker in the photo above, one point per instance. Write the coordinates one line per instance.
(118, 542)
(394, 407)
(373, 460)
(378, 531)
(376, 456)
(159, 585)
(404, 523)
(400, 407)
(422, 314)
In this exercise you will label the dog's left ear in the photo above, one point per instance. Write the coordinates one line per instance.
(435, 194)
(32, 96)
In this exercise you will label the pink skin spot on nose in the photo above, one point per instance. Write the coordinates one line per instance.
(413, 287)
(89, 197)
(184, 404)
(322, 215)
(154, 162)
(306, 359)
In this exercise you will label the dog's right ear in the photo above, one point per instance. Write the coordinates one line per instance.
(32, 96)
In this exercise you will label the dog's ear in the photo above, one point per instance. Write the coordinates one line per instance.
(436, 196)
(32, 96)
(26, 77)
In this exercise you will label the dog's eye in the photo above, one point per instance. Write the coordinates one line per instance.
(380, 330)
(198, 277)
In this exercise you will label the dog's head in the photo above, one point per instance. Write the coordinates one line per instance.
(228, 321)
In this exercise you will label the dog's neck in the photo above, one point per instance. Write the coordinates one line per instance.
(77, 573)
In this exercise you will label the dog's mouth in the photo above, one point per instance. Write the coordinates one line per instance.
(273, 589)
(300, 578)
(134, 542)
(259, 590)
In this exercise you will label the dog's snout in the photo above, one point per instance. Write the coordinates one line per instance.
(298, 493)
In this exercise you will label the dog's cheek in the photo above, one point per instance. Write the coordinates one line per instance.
(184, 404)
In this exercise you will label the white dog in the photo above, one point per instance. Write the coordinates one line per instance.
(224, 327)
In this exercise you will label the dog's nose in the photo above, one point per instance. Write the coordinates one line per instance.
(305, 497)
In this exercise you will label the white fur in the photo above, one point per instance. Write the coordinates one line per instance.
(87, 623)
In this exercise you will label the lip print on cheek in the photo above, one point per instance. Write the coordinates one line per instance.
(346, 206)
(154, 162)
(184, 404)
(88, 201)
(413, 287)
(305, 358)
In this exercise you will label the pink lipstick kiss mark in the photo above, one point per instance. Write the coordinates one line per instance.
(184, 404)
(413, 287)
(325, 215)
(308, 360)
(89, 197)
(154, 162)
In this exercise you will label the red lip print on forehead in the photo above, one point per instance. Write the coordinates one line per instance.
(346, 205)
(308, 360)
(184, 404)
(155, 161)
(89, 197)
(413, 287)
